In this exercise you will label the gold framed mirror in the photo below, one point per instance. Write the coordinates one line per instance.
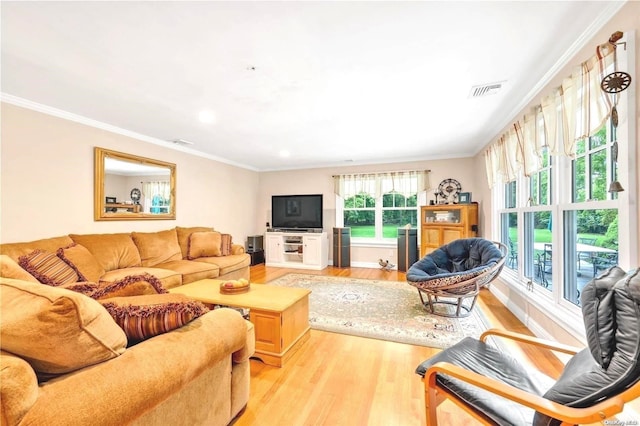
(130, 187)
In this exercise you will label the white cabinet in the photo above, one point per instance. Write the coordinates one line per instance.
(273, 248)
(297, 250)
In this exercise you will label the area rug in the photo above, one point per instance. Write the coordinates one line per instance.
(379, 309)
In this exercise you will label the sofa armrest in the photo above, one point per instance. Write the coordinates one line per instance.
(145, 375)
(18, 388)
(249, 348)
(237, 249)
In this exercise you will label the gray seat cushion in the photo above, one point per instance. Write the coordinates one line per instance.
(489, 361)
(466, 257)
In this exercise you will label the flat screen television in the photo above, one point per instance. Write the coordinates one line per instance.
(296, 212)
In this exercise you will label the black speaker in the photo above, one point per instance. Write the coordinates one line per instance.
(341, 247)
(407, 248)
(254, 243)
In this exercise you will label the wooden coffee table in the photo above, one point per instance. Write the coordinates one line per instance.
(280, 315)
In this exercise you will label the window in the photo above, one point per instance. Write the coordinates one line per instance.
(360, 215)
(374, 206)
(562, 212)
(398, 211)
(562, 241)
(593, 167)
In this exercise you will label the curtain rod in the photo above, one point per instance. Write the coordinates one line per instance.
(383, 172)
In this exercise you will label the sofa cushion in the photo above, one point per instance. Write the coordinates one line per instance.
(82, 261)
(183, 235)
(167, 277)
(9, 268)
(226, 245)
(48, 268)
(157, 247)
(191, 270)
(142, 317)
(56, 330)
(113, 251)
(15, 250)
(204, 244)
(228, 263)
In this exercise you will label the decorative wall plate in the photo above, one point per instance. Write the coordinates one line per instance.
(449, 188)
(135, 195)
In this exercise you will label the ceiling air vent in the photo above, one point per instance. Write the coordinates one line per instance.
(181, 142)
(486, 89)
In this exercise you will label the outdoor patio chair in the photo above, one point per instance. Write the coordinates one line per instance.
(497, 389)
(455, 272)
(603, 261)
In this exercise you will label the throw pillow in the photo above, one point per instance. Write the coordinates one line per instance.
(204, 244)
(56, 330)
(184, 234)
(48, 268)
(225, 245)
(157, 247)
(113, 251)
(132, 285)
(82, 261)
(142, 317)
(9, 268)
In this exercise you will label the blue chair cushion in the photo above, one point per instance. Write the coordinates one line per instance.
(455, 262)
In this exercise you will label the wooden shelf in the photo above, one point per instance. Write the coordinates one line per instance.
(462, 222)
(134, 208)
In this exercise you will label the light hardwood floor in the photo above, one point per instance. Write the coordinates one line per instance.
(335, 379)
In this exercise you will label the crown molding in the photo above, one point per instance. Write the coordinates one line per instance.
(45, 109)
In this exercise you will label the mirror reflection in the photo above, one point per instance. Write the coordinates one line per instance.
(133, 187)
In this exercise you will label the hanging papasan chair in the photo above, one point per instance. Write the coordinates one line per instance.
(455, 272)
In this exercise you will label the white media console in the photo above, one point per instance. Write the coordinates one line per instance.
(304, 250)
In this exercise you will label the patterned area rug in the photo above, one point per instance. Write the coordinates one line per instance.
(379, 309)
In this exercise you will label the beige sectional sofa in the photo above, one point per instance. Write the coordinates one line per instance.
(163, 254)
(65, 360)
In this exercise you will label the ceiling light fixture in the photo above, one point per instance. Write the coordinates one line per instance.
(284, 153)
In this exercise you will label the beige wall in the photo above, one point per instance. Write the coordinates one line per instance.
(320, 181)
(47, 182)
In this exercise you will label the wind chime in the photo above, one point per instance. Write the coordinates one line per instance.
(612, 84)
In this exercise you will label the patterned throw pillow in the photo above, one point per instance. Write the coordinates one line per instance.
(225, 245)
(48, 268)
(142, 317)
(204, 244)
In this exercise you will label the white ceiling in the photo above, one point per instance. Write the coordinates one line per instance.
(332, 83)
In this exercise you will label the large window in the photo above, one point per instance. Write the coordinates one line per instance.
(566, 202)
(374, 205)
(560, 235)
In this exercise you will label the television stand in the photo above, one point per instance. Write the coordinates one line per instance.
(297, 249)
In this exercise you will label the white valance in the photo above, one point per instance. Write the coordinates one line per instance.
(575, 110)
(375, 184)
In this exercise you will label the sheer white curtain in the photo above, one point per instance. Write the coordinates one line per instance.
(151, 189)
(573, 111)
(376, 184)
